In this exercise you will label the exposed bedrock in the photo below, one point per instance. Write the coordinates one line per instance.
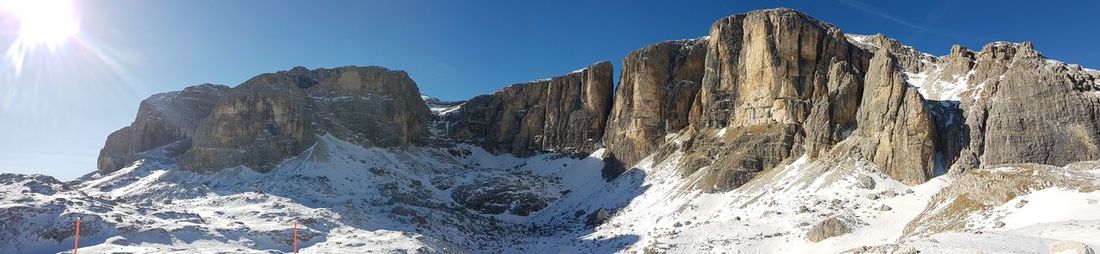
(777, 84)
(656, 91)
(566, 113)
(274, 116)
(161, 119)
(1023, 108)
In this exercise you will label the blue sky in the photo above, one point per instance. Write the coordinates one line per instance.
(56, 113)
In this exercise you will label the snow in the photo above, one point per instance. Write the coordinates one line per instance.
(859, 38)
(933, 86)
(1055, 213)
(356, 199)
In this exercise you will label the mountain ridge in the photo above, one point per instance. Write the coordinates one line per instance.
(775, 133)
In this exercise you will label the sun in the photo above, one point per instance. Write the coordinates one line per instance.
(49, 22)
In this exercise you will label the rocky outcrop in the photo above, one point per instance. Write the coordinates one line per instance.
(907, 58)
(565, 113)
(777, 84)
(597, 217)
(656, 91)
(277, 115)
(828, 228)
(162, 119)
(272, 117)
(895, 128)
(254, 127)
(1024, 108)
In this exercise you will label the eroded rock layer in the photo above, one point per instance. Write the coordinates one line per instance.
(274, 116)
(778, 83)
(656, 91)
(565, 113)
(1023, 108)
(895, 127)
(161, 119)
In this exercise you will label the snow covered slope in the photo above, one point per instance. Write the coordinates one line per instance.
(350, 199)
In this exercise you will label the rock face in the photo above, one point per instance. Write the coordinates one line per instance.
(273, 116)
(907, 58)
(565, 113)
(762, 89)
(777, 83)
(162, 119)
(277, 115)
(656, 91)
(1007, 123)
(895, 128)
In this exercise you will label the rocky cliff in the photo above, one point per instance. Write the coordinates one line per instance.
(274, 116)
(656, 91)
(894, 126)
(161, 119)
(565, 113)
(763, 89)
(1021, 107)
(984, 107)
(777, 84)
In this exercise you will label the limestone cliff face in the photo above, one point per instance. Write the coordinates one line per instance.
(567, 113)
(255, 127)
(656, 91)
(1024, 108)
(274, 116)
(777, 83)
(894, 126)
(277, 115)
(162, 119)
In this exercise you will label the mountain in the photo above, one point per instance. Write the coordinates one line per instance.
(775, 133)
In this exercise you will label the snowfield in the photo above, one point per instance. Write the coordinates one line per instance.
(462, 199)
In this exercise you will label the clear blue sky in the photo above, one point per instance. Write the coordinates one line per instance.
(56, 114)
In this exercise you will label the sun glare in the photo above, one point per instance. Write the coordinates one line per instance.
(43, 24)
(44, 21)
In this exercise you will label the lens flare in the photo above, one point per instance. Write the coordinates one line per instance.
(44, 21)
(49, 61)
(43, 24)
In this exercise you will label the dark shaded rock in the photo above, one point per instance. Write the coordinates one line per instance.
(277, 115)
(162, 119)
(517, 195)
(597, 217)
(565, 113)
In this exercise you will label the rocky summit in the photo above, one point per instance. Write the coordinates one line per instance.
(774, 133)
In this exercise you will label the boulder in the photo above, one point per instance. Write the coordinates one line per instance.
(828, 228)
(597, 217)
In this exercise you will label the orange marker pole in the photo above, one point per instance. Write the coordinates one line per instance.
(76, 237)
(295, 236)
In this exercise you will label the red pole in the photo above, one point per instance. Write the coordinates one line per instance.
(76, 237)
(295, 236)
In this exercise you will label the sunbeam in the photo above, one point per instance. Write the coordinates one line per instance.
(43, 24)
